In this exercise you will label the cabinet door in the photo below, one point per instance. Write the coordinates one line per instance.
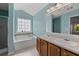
(53, 50)
(43, 48)
(38, 45)
(66, 53)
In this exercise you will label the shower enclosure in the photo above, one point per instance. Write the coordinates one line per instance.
(3, 36)
(3, 29)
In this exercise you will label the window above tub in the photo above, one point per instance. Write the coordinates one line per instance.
(24, 25)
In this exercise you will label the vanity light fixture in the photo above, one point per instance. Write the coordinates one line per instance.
(57, 7)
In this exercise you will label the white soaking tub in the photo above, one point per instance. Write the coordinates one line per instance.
(23, 41)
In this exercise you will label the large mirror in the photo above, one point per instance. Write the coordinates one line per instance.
(67, 21)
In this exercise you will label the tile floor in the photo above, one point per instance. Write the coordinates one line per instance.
(30, 51)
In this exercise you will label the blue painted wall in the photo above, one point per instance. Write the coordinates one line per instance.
(48, 23)
(10, 30)
(56, 25)
(41, 22)
(21, 14)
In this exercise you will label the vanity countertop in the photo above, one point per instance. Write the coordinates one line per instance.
(52, 39)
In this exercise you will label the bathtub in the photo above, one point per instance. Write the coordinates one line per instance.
(24, 41)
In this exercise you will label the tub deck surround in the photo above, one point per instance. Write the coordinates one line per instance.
(52, 37)
(23, 33)
(23, 36)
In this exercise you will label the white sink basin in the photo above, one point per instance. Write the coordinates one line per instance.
(66, 43)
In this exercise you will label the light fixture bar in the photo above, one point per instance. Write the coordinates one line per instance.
(57, 6)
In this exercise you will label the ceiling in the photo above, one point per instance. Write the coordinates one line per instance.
(31, 8)
(4, 6)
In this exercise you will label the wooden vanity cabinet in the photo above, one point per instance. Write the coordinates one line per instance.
(43, 49)
(53, 50)
(66, 53)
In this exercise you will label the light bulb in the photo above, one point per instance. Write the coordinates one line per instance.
(48, 10)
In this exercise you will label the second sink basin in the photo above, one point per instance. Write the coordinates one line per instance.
(67, 43)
